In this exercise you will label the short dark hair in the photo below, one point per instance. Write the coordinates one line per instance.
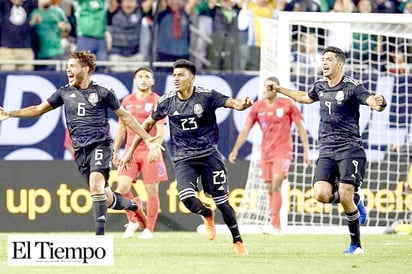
(145, 68)
(339, 53)
(274, 79)
(86, 58)
(183, 63)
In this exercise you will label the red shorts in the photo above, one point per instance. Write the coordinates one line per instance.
(275, 166)
(151, 172)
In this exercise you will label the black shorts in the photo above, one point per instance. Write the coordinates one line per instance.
(210, 170)
(349, 170)
(94, 158)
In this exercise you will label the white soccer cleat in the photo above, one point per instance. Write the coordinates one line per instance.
(130, 229)
(146, 234)
(270, 230)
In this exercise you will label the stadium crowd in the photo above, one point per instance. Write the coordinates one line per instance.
(122, 30)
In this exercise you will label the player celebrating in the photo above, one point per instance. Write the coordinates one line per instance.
(140, 104)
(194, 136)
(342, 160)
(86, 108)
(274, 115)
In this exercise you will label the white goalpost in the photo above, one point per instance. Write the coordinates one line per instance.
(379, 55)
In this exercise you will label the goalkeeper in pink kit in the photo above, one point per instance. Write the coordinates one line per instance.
(274, 115)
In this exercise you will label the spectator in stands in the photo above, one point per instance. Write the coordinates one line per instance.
(302, 5)
(48, 22)
(397, 61)
(16, 33)
(342, 34)
(327, 5)
(244, 20)
(366, 46)
(405, 6)
(224, 54)
(91, 22)
(68, 38)
(386, 6)
(257, 9)
(173, 37)
(307, 59)
(203, 22)
(125, 19)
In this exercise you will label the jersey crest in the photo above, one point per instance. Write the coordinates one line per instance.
(198, 110)
(148, 107)
(339, 97)
(93, 99)
(280, 112)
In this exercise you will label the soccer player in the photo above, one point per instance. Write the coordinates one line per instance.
(342, 160)
(86, 107)
(140, 104)
(194, 136)
(274, 115)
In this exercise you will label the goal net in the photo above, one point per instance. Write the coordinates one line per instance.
(379, 55)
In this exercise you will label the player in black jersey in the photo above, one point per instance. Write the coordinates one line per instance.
(194, 136)
(342, 160)
(86, 107)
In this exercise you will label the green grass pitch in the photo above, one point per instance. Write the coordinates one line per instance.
(190, 252)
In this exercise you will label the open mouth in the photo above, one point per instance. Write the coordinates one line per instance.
(70, 78)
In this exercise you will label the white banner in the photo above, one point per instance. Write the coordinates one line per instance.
(42, 250)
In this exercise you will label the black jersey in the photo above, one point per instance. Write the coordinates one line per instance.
(86, 112)
(339, 113)
(193, 128)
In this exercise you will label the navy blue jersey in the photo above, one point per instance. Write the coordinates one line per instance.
(339, 113)
(193, 128)
(86, 112)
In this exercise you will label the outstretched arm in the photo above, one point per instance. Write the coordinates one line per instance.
(27, 112)
(156, 141)
(376, 102)
(238, 104)
(128, 120)
(298, 96)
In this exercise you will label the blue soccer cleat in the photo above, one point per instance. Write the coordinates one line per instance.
(353, 249)
(363, 214)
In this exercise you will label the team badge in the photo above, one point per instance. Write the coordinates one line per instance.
(339, 97)
(280, 112)
(93, 99)
(198, 110)
(148, 107)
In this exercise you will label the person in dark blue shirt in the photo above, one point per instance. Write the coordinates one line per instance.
(342, 160)
(194, 136)
(86, 107)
